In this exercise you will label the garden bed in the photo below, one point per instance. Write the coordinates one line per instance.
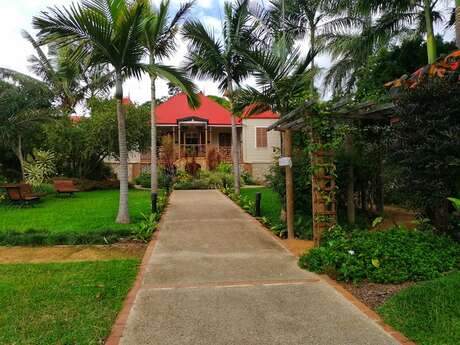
(375, 295)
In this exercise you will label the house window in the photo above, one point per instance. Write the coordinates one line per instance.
(261, 137)
(225, 139)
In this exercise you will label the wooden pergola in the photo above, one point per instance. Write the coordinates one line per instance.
(324, 204)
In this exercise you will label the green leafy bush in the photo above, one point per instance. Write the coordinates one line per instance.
(391, 256)
(39, 166)
(246, 178)
(144, 179)
(225, 168)
(47, 238)
(204, 180)
(86, 185)
(144, 230)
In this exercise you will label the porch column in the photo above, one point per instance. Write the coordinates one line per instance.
(174, 142)
(206, 140)
(179, 138)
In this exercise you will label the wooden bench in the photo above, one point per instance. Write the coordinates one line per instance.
(20, 193)
(65, 187)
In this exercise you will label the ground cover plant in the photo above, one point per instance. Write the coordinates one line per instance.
(270, 202)
(203, 179)
(427, 312)
(392, 256)
(87, 217)
(62, 303)
(271, 210)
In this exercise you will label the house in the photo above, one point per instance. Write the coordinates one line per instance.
(198, 133)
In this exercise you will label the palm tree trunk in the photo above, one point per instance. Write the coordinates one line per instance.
(289, 186)
(153, 138)
(430, 39)
(457, 22)
(123, 211)
(235, 150)
(313, 47)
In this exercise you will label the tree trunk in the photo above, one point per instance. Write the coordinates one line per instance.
(289, 186)
(153, 138)
(313, 47)
(123, 211)
(430, 39)
(440, 215)
(380, 200)
(235, 154)
(351, 214)
(20, 156)
(457, 22)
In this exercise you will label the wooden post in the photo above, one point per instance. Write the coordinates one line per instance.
(289, 186)
(179, 139)
(351, 214)
(379, 187)
(324, 206)
(257, 210)
(206, 143)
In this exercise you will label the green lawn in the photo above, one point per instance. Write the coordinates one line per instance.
(428, 313)
(69, 303)
(270, 205)
(84, 212)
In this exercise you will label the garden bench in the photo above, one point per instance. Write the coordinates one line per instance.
(20, 193)
(65, 187)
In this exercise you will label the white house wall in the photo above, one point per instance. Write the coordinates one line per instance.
(253, 154)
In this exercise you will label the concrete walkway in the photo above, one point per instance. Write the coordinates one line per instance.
(217, 277)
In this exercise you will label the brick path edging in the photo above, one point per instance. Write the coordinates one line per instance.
(399, 337)
(122, 317)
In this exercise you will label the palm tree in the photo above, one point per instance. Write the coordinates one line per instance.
(349, 41)
(398, 15)
(221, 60)
(71, 82)
(457, 22)
(109, 32)
(282, 77)
(454, 21)
(159, 39)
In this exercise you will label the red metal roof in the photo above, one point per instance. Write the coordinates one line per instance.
(177, 108)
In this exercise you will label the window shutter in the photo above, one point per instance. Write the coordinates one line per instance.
(261, 137)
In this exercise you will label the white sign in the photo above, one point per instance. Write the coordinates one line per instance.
(285, 162)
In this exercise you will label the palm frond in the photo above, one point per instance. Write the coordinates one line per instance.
(177, 78)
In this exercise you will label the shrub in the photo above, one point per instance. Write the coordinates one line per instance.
(85, 185)
(246, 177)
(144, 179)
(225, 168)
(391, 256)
(46, 238)
(214, 159)
(429, 147)
(204, 180)
(39, 166)
(44, 188)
